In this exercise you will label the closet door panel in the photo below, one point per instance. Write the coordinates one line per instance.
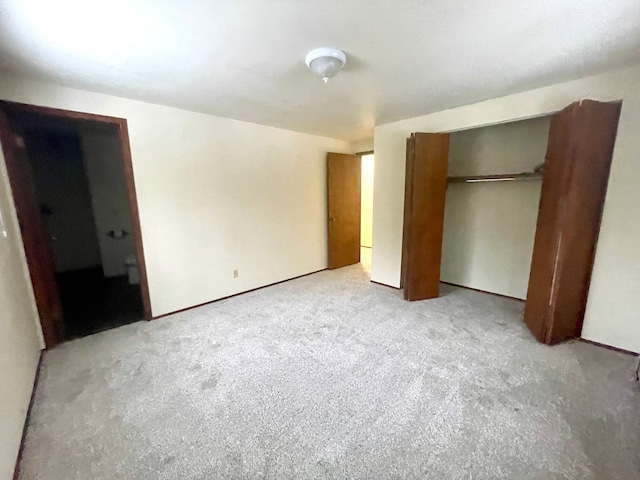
(579, 154)
(547, 238)
(595, 137)
(425, 192)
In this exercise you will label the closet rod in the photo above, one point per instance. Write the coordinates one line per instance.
(508, 177)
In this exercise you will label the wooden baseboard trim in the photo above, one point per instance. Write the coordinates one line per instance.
(16, 470)
(237, 294)
(385, 285)
(483, 291)
(609, 347)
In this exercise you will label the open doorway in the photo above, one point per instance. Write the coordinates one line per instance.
(73, 189)
(366, 209)
(349, 209)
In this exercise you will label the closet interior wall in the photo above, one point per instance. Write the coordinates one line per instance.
(489, 228)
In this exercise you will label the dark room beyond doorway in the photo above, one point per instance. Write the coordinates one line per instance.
(76, 167)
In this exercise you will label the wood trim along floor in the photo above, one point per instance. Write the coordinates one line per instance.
(16, 471)
(483, 291)
(609, 347)
(597, 344)
(236, 294)
(385, 285)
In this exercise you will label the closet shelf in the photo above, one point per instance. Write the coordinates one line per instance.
(503, 177)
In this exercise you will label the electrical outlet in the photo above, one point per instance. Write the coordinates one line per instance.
(236, 274)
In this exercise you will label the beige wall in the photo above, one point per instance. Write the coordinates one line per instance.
(365, 145)
(489, 228)
(614, 303)
(366, 223)
(20, 338)
(214, 195)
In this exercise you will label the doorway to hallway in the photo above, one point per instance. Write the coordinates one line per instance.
(366, 211)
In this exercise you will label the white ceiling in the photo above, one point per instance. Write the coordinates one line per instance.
(244, 59)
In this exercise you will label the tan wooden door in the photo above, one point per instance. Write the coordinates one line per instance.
(344, 174)
(37, 244)
(425, 191)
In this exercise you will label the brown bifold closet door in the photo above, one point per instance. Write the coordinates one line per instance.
(425, 191)
(344, 173)
(576, 173)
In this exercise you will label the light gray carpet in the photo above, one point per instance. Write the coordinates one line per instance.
(330, 376)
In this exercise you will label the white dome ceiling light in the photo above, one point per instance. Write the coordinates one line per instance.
(325, 62)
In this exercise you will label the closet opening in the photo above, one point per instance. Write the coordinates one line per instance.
(491, 206)
(512, 209)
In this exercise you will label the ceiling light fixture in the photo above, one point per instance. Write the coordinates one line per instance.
(325, 62)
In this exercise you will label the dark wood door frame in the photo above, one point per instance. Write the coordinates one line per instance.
(127, 167)
(36, 240)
